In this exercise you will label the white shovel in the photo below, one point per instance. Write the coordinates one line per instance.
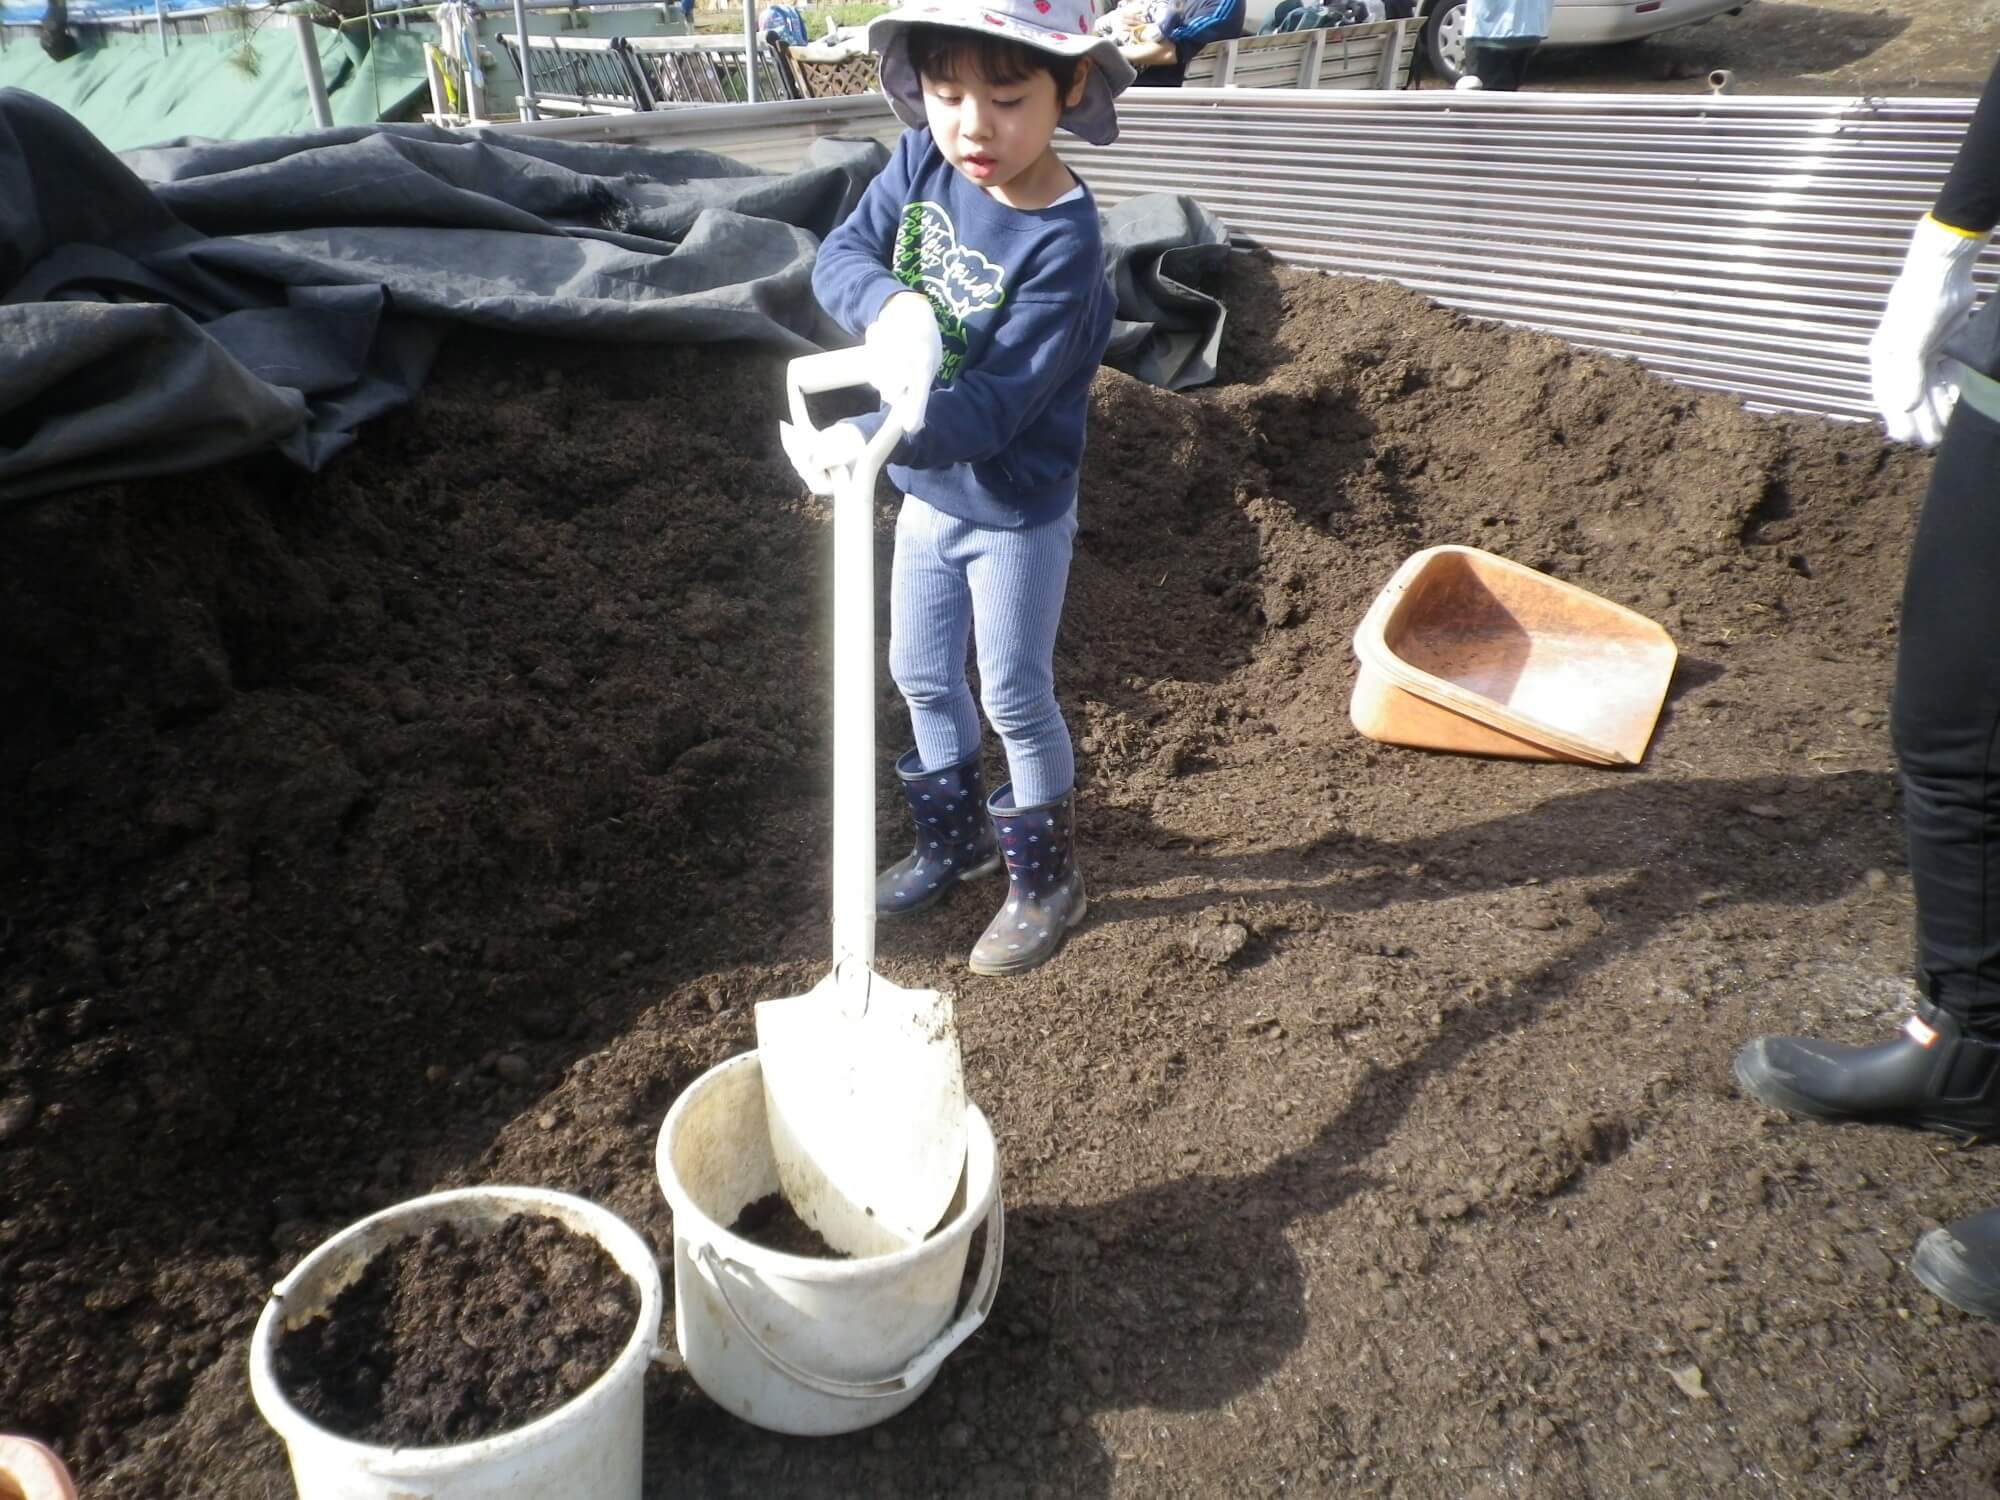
(863, 1083)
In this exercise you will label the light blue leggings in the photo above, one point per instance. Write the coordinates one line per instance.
(1005, 588)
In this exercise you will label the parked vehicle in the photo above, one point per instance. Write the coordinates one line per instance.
(1574, 23)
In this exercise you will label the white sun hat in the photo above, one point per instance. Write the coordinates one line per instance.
(1058, 26)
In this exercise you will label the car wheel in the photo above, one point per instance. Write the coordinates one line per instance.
(1444, 41)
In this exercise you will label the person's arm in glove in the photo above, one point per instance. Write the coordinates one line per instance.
(822, 455)
(1932, 296)
(851, 275)
(852, 279)
(1934, 293)
(981, 412)
(905, 349)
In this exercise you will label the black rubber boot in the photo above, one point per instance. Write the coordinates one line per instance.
(1961, 1263)
(1044, 887)
(1932, 1077)
(954, 840)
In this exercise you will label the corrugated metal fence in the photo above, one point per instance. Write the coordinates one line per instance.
(1738, 244)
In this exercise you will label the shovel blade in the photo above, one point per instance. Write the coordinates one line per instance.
(865, 1093)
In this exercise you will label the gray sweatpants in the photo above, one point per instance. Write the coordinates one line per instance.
(1004, 589)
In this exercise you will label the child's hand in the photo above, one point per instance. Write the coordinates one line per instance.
(907, 350)
(822, 455)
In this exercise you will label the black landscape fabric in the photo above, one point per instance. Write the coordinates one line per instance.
(172, 307)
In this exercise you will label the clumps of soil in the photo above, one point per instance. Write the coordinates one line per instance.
(438, 817)
(773, 1223)
(449, 1337)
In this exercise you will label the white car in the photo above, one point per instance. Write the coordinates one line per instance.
(1572, 23)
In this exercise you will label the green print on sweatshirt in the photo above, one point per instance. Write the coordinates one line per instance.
(957, 280)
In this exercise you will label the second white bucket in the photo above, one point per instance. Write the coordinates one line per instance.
(792, 1343)
(591, 1445)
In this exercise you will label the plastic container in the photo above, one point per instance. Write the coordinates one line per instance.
(29, 1471)
(797, 1344)
(1467, 651)
(591, 1445)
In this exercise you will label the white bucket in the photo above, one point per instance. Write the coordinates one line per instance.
(789, 1342)
(591, 1445)
(29, 1471)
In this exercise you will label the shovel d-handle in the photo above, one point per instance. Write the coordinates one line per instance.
(841, 370)
(853, 652)
(922, 1365)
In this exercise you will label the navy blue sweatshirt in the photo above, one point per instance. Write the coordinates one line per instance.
(1025, 310)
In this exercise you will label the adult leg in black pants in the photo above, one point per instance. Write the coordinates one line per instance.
(1942, 1072)
(1500, 65)
(1947, 725)
(1948, 728)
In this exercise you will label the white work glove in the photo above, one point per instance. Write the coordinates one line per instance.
(1929, 300)
(822, 455)
(905, 350)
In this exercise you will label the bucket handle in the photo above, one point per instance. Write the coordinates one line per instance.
(921, 1366)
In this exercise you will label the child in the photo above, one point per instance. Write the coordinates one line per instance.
(974, 266)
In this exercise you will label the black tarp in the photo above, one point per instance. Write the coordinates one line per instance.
(180, 305)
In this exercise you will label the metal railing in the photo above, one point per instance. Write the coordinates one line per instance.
(578, 74)
(634, 74)
(706, 70)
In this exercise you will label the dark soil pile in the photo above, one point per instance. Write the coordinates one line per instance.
(449, 1337)
(436, 819)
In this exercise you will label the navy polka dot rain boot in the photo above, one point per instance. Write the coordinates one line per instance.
(1044, 887)
(954, 840)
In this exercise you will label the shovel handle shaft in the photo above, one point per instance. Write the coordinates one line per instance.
(853, 653)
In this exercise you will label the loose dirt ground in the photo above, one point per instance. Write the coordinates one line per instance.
(436, 819)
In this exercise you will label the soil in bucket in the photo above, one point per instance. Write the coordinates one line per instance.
(448, 1337)
(772, 1222)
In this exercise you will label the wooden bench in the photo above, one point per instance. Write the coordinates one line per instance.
(1372, 55)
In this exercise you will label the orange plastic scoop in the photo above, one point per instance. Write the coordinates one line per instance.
(1468, 651)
